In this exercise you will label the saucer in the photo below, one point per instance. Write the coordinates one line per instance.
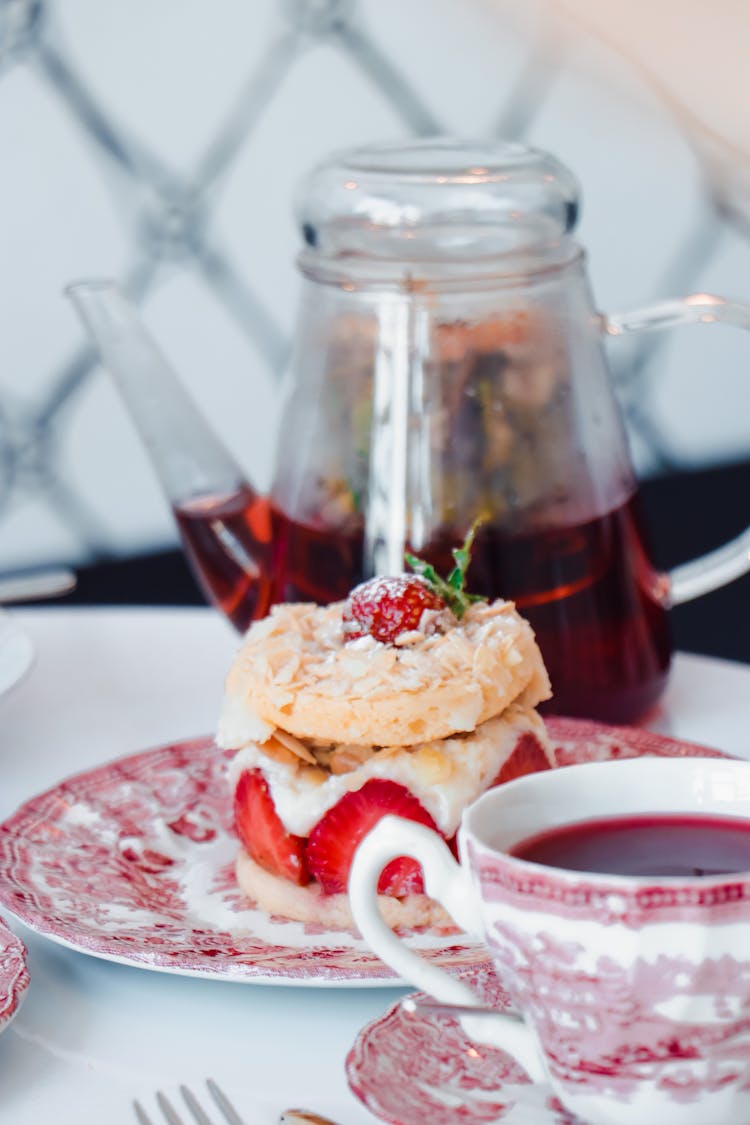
(409, 1069)
(14, 976)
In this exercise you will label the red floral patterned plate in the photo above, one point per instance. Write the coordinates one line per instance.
(133, 861)
(411, 1069)
(14, 976)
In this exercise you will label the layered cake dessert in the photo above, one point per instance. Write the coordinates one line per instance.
(408, 698)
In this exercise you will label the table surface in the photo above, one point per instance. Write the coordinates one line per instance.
(92, 1035)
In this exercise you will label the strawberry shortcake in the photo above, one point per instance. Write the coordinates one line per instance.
(409, 698)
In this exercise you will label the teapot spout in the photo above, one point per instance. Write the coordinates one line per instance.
(186, 453)
(223, 523)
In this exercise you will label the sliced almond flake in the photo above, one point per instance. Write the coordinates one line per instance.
(316, 774)
(347, 758)
(279, 698)
(322, 755)
(412, 637)
(287, 671)
(368, 685)
(295, 746)
(389, 751)
(278, 753)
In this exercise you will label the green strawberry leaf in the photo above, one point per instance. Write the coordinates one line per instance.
(451, 589)
(424, 570)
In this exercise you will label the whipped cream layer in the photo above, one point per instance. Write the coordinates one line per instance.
(445, 775)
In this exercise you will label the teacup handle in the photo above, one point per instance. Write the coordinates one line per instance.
(446, 882)
(716, 568)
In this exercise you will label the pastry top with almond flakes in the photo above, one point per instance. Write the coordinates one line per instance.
(304, 670)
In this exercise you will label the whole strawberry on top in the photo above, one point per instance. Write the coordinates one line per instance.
(387, 608)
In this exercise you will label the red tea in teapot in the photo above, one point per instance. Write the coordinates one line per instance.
(593, 599)
(227, 542)
(588, 590)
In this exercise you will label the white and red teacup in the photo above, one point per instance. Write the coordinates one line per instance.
(633, 989)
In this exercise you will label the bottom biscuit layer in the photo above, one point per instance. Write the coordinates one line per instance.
(284, 899)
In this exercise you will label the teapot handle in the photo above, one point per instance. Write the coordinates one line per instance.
(716, 568)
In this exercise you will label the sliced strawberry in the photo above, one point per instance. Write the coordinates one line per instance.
(385, 608)
(262, 833)
(334, 839)
(527, 756)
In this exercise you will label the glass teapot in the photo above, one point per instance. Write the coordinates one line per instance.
(448, 367)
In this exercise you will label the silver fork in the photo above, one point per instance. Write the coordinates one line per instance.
(199, 1115)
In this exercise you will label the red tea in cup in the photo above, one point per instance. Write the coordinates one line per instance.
(648, 846)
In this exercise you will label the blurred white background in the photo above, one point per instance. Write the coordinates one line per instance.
(160, 142)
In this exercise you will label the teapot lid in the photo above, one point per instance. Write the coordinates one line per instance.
(437, 200)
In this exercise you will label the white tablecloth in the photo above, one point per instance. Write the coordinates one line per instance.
(92, 1035)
